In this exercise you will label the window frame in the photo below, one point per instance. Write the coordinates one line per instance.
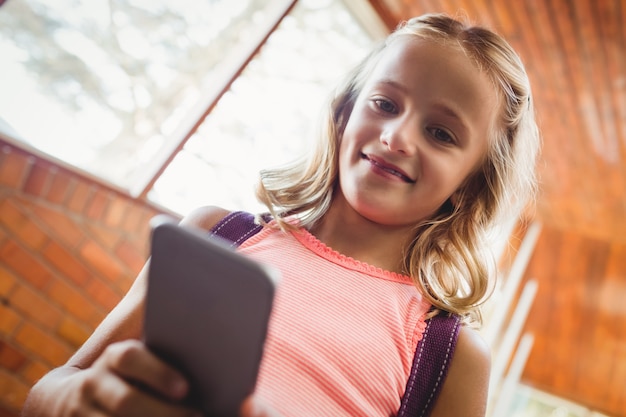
(230, 71)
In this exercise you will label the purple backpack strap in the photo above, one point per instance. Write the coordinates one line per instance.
(236, 227)
(430, 365)
(433, 352)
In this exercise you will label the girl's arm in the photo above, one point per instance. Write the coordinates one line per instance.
(113, 373)
(464, 392)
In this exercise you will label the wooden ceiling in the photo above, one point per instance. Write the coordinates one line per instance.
(575, 54)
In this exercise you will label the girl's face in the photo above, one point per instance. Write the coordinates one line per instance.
(418, 129)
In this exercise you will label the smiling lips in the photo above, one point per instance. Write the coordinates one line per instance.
(391, 169)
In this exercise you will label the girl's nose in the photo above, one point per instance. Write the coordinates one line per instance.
(399, 140)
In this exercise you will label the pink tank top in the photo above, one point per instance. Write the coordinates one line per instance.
(342, 334)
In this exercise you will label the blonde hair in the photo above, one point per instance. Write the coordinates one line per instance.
(447, 258)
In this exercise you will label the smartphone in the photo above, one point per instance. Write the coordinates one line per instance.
(207, 312)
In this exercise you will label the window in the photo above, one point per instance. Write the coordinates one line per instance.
(116, 88)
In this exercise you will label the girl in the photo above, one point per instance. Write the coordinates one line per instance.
(429, 143)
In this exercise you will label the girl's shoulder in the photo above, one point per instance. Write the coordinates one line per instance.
(465, 389)
(204, 217)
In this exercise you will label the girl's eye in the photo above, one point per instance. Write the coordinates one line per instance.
(385, 105)
(441, 135)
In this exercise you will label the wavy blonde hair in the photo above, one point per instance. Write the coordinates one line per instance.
(447, 258)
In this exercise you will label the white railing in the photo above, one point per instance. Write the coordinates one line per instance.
(504, 323)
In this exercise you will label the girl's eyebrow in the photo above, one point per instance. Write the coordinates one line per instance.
(393, 84)
(450, 112)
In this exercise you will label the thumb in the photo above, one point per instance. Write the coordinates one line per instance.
(254, 407)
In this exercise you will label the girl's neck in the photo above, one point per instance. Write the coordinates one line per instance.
(351, 234)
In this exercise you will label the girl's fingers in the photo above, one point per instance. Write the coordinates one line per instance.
(114, 396)
(132, 361)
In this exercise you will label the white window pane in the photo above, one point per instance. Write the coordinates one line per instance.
(102, 84)
(272, 111)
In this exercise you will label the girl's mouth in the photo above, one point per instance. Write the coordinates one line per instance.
(387, 167)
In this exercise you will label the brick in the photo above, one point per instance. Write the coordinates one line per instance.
(116, 211)
(131, 256)
(107, 236)
(61, 226)
(72, 301)
(125, 283)
(59, 187)
(101, 260)
(42, 345)
(7, 281)
(97, 205)
(38, 179)
(79, 195)
(14, 168)
(35, 307)
(10, 358)
(15, 219)
(13, 392)
(11, 215)
(9, 320)
(132, 220)
(23, 201)
(144, 223)
(66, 263)
(24, 264)
(32, 236)
(102, 294)
(74, 332)
(33, 371)
(97, 318)
(137, 222)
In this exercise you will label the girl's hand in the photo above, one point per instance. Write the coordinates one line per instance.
(126, 380)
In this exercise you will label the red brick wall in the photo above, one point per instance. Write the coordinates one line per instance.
(69, 249)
